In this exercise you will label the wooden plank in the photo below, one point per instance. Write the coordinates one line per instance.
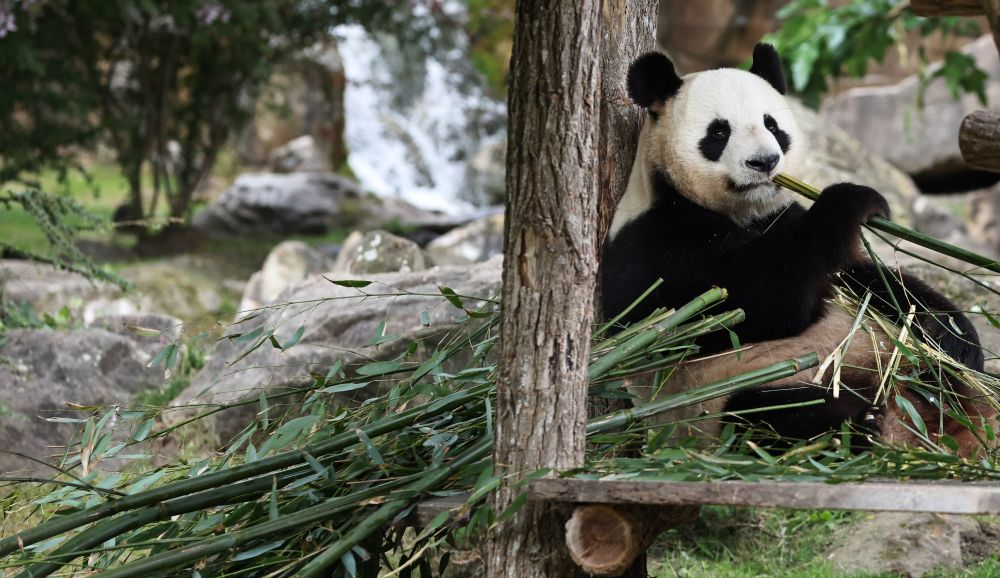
(979, 140)
(947, 7)
(941, 497)
(428, 509)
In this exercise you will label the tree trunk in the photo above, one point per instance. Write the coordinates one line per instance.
(550, 272)
(629, 31)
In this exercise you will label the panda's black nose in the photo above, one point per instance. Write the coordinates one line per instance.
(763, 164)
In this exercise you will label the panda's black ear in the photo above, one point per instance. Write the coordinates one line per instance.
(767, 65)
(652, 79)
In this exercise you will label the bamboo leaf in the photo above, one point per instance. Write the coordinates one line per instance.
(295, 338)
(379, 368)
(350, 565)
(342, 387)
(452, 297)
(355, 283)
(911, 411)
(257, 551)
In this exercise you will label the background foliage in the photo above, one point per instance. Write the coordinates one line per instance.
(820, 43)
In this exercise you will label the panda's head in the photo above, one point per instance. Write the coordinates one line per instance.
(721, 135)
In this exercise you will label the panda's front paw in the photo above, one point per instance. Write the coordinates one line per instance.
(853, 204)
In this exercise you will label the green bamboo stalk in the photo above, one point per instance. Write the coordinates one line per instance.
(106, 529)
(158, 564)
(620, 419)
(379, 518)
(900, 231)
(239, 473)
(640, 341)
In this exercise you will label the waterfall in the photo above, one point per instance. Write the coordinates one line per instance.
(418, 130)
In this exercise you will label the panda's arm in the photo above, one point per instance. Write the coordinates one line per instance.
(781, 276)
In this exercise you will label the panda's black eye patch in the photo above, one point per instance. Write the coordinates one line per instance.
(715, 139)
(784, 141)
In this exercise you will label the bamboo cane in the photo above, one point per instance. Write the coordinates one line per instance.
(887, 226)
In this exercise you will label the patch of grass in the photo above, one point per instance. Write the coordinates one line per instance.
(739, 543)
(100, 192)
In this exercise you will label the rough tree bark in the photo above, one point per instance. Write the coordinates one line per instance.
(629, 31)
(550, 271)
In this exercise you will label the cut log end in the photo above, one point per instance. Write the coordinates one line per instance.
(979, 140)
(602, 540)
(606, 540)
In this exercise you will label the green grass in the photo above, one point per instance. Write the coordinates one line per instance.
(743, 543)
(104, 191)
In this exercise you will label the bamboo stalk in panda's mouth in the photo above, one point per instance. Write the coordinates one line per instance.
(887, 226)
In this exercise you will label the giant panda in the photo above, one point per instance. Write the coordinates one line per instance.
(701, 210)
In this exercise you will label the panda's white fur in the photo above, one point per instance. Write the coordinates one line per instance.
(745, 98)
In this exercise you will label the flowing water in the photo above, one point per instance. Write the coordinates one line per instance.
(416, 127)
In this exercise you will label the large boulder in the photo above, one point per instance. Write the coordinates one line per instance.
(338, 324)
(921, 141)
(378, 252)
(287, 264)
(281, 204)
(44, 370)
(833, 156)
(984, 217)
(472, 243)
(49, 289)
(310, 203)
(905, 544)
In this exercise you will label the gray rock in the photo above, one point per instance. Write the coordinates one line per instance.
(984, 217)
(472, 243)
(141, 328)
(338, 323)
(888, 122)
(378, 252)
(298, 155)
(280, 204)
(904, 543)
(49, 289)
(186, 286)
(930, 218)
(287, 264)
(832, 156)
(45, 370)
(309, 203)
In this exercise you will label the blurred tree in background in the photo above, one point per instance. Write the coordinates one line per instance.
(163, 83)
(820, 42)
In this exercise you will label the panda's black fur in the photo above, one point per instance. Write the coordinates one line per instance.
(779, 264)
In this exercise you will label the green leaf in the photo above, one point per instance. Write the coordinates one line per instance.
(246, 337)
(144, 429)
(513, 508)
(379, 368)
(452, 297)
(350, 565)
(342, 387)
(803, 60)
(294, 338)
(164, 354)
(373, 452)
(272, 509)
(257, 551)
(349, 282)
(911, 411)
